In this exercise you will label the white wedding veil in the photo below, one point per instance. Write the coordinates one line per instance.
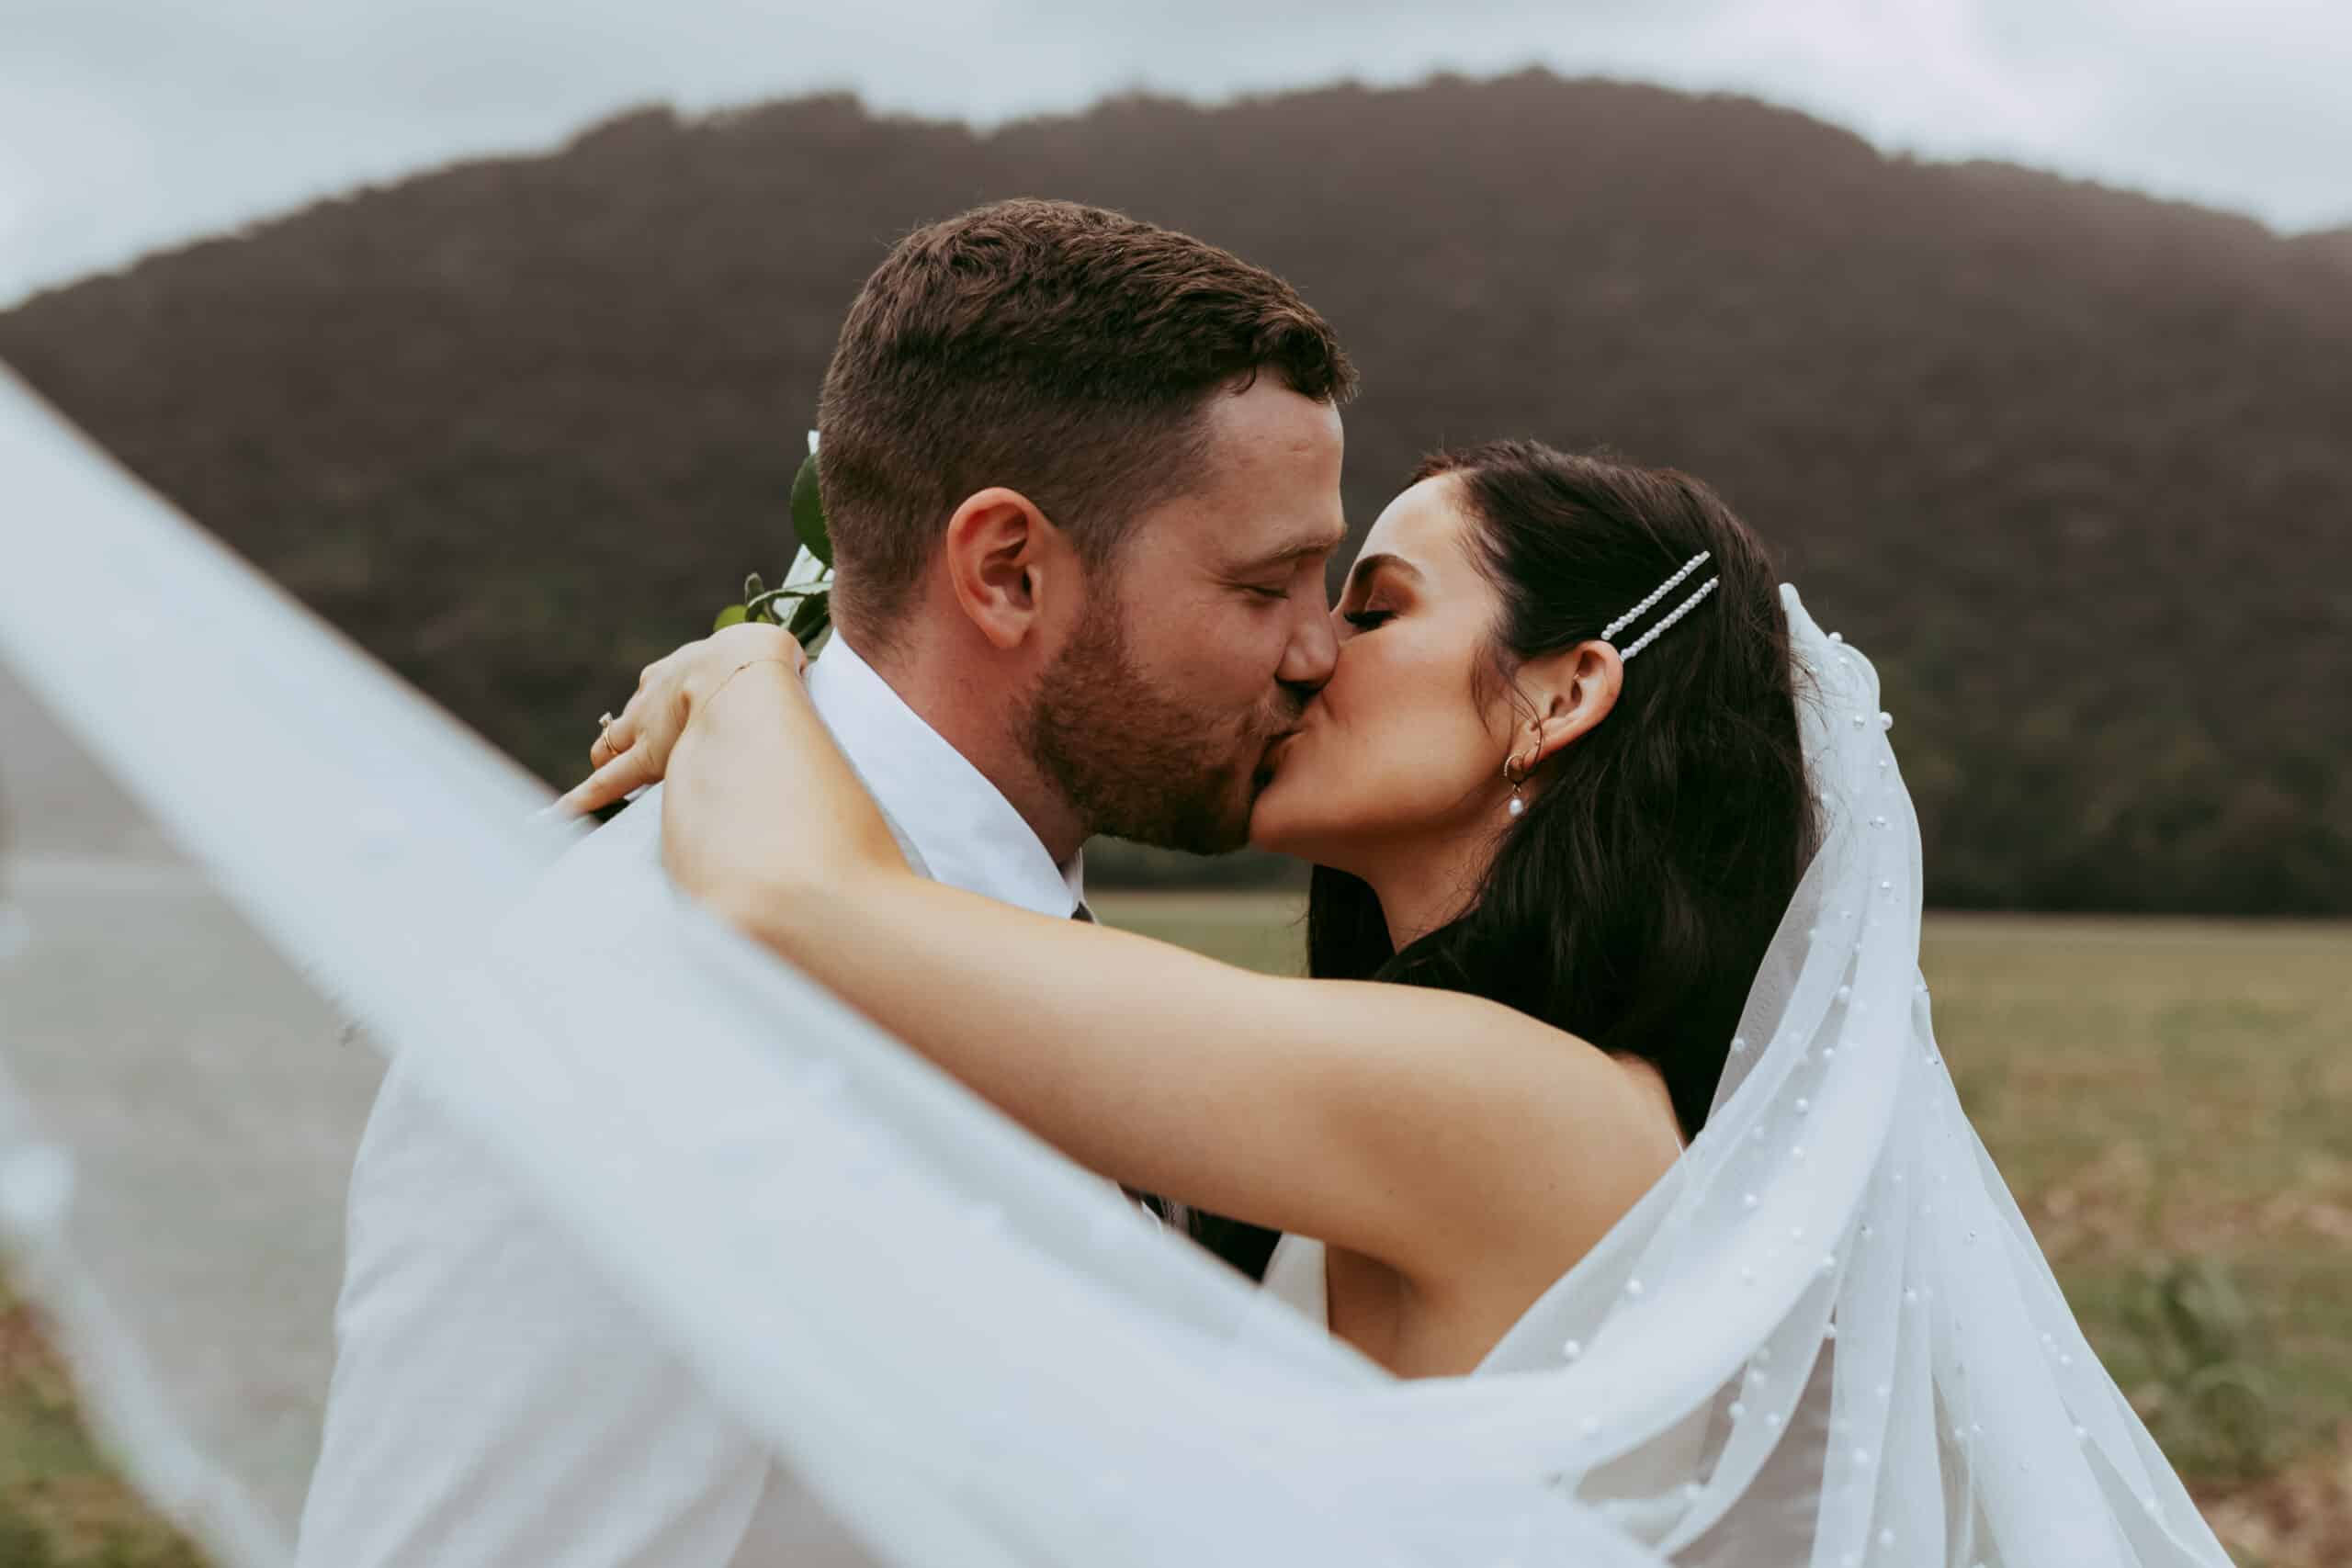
(1826, 1337)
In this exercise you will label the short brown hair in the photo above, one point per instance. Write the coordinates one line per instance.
(1062, 351)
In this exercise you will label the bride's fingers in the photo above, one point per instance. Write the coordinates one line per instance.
(617, 737)
(625, 732)
(632, 770)
(633, 750)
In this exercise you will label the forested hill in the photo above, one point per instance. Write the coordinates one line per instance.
(2074, 465)
(2333, 244)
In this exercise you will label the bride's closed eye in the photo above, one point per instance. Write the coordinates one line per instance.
(1365, 620)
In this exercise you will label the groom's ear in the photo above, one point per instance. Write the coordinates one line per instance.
(1009, 564)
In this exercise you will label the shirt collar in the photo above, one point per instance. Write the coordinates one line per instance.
(967, 833)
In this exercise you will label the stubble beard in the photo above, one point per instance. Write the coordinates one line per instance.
(1135, 760)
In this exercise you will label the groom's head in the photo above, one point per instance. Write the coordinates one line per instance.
(1093, 466)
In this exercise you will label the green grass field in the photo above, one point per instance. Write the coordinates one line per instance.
(2170, 1101)
(61, 1505)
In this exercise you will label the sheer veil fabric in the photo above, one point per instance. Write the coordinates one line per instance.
(1825, 1338)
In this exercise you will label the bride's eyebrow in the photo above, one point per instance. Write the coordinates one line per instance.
(1361, 573)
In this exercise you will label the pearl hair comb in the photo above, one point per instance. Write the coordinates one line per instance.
(1609, 633)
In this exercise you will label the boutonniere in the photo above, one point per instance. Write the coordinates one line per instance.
(802, 603)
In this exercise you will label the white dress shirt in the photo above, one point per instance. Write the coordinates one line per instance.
(495, 1401)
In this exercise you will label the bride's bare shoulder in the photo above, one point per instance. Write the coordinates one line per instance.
(1504, 1134)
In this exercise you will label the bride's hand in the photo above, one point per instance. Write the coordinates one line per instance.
(634, 750)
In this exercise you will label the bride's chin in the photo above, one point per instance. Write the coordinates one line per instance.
(1301, 813)
(1269, 823)
(1281, 822)
(1260, 838)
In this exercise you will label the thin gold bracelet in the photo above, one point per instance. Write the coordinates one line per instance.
(739, 669)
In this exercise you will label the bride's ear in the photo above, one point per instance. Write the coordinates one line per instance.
(1007, 561)
(1566, 694)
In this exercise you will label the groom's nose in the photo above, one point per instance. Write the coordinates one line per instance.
(1310, 655)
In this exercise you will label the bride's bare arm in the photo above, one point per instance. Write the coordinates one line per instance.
(1421, 1127)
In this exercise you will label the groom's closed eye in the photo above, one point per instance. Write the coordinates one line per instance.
(1306, 575)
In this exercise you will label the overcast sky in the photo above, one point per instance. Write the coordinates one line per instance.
(129, 124)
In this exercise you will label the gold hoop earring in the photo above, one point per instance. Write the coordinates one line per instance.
(1514, 774)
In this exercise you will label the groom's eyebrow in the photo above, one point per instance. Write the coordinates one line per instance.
(1299, 550)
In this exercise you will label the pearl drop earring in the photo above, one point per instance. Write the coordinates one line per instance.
(1514, 774)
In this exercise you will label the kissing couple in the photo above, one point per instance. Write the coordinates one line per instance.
(1613, 1056)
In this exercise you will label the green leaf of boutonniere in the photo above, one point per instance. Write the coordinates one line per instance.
(810, 619)
(809, 512)
(803, 605)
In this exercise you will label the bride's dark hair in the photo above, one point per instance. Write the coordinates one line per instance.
(1633, 902)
